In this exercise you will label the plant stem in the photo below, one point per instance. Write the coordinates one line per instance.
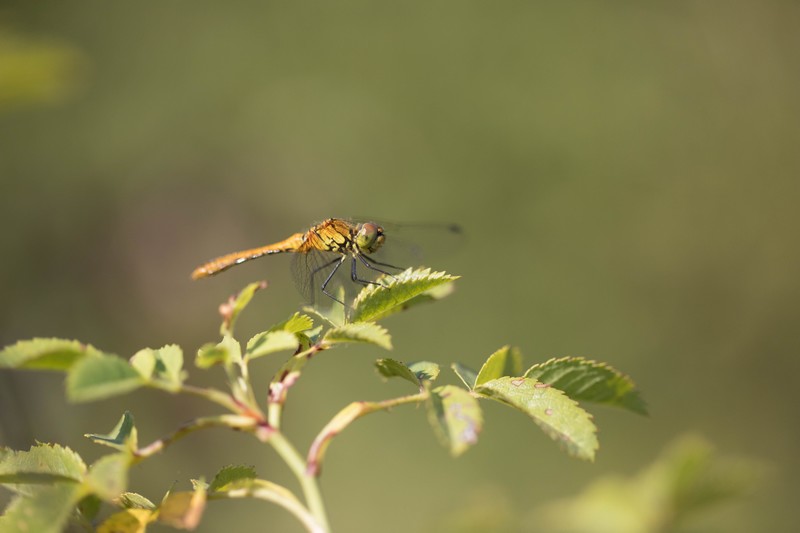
(307, 481)
(278, 497)
(213, 395)
(229, 421)
(344, 418)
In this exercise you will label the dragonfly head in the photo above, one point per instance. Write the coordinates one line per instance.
(369, 237)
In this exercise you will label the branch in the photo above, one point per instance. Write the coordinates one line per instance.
(236, 422)
(343, 419)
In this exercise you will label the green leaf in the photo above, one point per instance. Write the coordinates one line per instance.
(416, 373)
(225, 352)
(164, 364)
(268, 342)
(38, 71)
(698, 477)
(506, 361)
(425, 370)
(390, 368)
(132, 500)
(465, 374)
(45, 511)
(231, 309)
(169, 366)
(688, 478)
(122, 437)
(89, 507)
(108, 476)
(127, 521)
(585, 380)
(43, 463)
(392, 294)
(296, 323)
(366, 332)
(456, 418)
(183, 510)
(231, 474)
(555, 413)
(144, 362)
(96, 378)
(45, 354)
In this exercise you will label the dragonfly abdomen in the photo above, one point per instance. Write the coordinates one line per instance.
(215, 266)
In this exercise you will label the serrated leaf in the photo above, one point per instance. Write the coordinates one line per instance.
(127, 521)
(559, 416)
(425, 370)
(415, 373)
(108, 476)
(45, 511)
(144, 362)
(169, 366)
(45, 354)
(132, 500)
(43, 463)
(122, 437)
(164, 364)
(390, 368)
(456, 418)
(231, 309)
(225, 352)
(268, 342)
(231, 474)
(507, 361)
(377, 301)
(585, 380)
(183, 510)
(96, 378)
(297, 323)
(366, 332)
(465, 374)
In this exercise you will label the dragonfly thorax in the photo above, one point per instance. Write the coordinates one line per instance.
(369, 238)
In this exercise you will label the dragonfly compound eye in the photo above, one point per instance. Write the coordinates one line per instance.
(369, 237)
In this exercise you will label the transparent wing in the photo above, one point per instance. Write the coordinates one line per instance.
(415, 244)
(310, 270)
(407, 245)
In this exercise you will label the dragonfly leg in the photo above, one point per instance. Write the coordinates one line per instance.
(324, 285)
(321, 268)
(354, 272)
(373, 262)
(372, 267)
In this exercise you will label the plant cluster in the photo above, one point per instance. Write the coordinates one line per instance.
(52, 485)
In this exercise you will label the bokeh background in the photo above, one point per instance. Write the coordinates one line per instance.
(627, 175)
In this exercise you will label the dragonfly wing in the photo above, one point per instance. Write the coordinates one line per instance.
(312, 268)
(416, 244)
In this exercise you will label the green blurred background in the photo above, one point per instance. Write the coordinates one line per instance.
(626, 173)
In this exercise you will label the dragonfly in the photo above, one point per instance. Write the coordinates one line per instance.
(336, 237)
